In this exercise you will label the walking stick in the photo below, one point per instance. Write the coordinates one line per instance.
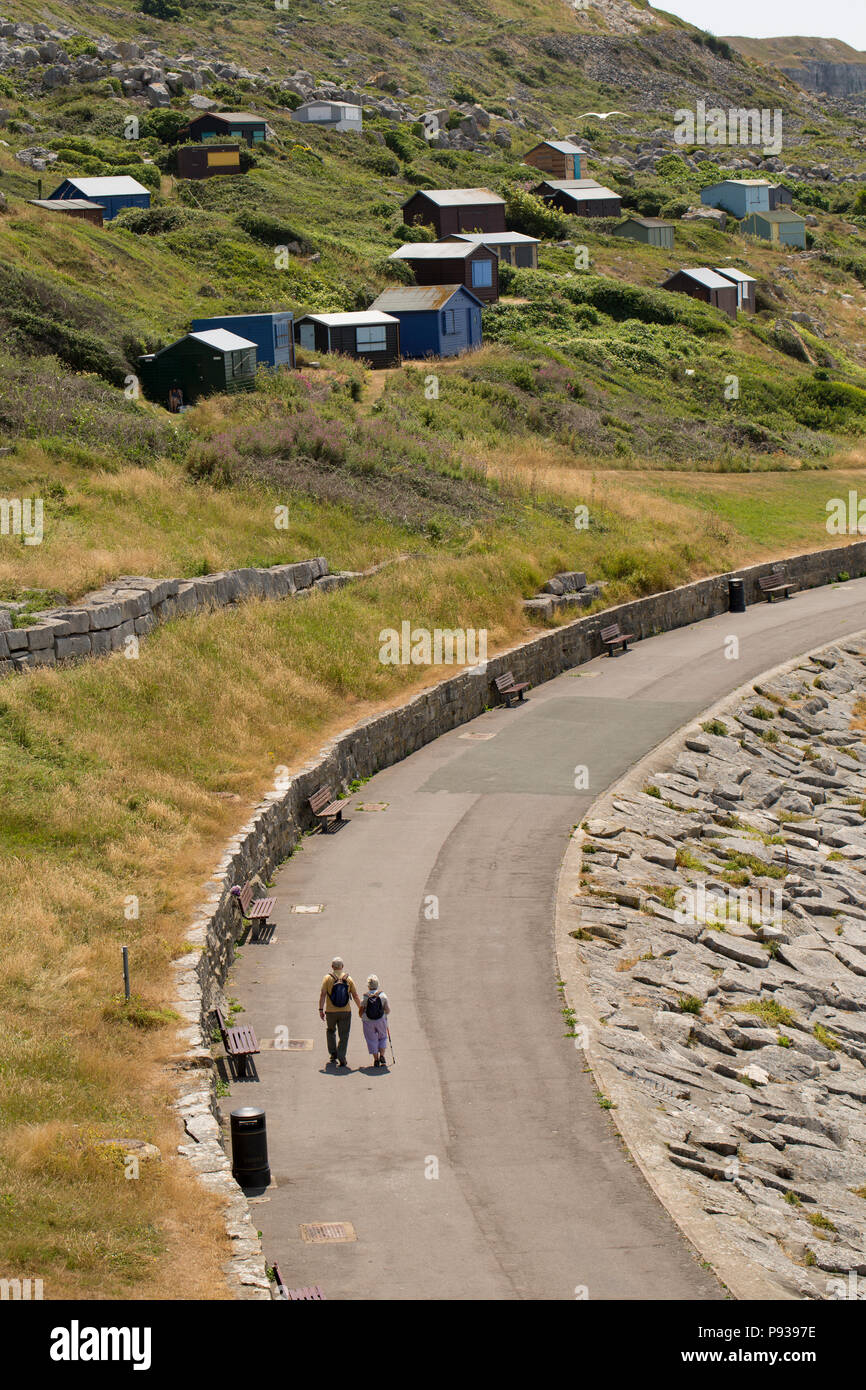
(393, 1058)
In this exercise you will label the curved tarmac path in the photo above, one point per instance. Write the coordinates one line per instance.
(535, 1196)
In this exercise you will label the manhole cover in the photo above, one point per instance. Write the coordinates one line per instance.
(371, 806)
(299, 1045)
(308, 907)
(317, 1232)
(478, 737)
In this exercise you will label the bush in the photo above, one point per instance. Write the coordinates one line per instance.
(272, 231)
(164, 123)
(381, 163)
(152, 221)
(399, 142)
(419, 231)
(526, 213)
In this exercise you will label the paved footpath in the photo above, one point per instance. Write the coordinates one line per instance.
(535, 1195)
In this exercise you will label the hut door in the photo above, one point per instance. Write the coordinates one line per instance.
(308, 336)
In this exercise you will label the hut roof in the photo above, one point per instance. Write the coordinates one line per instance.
(107, 187)
(703, 276)
(221, 339)
(419, 297)
(361, 317)
(563, 146)
(434, 251)
(66, 204)
(235, 117)
(730, 272)
(492, 238)
(456, 197)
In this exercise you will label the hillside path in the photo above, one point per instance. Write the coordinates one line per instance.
(535, 1196)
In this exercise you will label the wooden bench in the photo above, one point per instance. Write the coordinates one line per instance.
(255, 911)
(509, 689)
(239, 1043)
(613, 637)
(775, 583)
(324, 808)
(308, 1295)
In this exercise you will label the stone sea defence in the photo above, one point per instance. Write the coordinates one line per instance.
(718, 932)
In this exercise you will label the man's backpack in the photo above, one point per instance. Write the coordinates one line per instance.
(375, 1008)
(340, 994)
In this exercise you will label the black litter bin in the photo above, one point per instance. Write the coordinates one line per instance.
(736, 596)
(250, 1147)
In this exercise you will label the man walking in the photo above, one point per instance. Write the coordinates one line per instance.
(335, 996)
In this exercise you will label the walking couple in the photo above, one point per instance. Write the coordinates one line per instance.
(338, 989)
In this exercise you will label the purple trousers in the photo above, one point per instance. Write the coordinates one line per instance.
(376, 1034)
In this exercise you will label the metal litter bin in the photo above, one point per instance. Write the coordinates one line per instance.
(250, 1147)
(736, 596)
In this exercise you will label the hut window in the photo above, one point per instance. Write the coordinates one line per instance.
(240, 362)
(371, 337)
(523, 255)
(449, 321)
(482, 274)
(319, 113)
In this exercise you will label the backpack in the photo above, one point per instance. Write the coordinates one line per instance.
(374, 1008)
(339, 994)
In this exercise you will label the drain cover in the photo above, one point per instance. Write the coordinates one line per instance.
(318, 1232)
(308, 907)
(371, 806)
(473, 734)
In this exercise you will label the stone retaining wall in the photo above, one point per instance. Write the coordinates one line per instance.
(131, 607)
(279, 821)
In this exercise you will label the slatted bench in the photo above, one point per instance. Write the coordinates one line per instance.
(257, 911)
(613, 637)
(325, 808)
(775, 583)
(307, 1295)
(239, 1042)
(509, 688)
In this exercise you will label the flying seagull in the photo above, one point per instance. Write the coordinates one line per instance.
(602, 115)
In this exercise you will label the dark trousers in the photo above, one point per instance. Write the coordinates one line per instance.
(338, 1025)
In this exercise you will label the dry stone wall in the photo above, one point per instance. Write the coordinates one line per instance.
(131, 607)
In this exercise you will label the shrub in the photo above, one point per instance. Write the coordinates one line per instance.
(270, 230)
(151, 221)
(164, 123)
(399, 142)
(381, 163)
(526, 213)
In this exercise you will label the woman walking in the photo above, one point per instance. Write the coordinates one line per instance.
(374, 1010)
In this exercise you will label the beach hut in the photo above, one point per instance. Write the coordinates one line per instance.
(580, 197)
(745, 286)
(515, 248)
(456, 210)
(652, 231)
(435, 320)
(369, 334)
(559, 158)
(81, 208)
(113, 194)
(336, 115)
(272, 334)
(200, 364)
(739, 197)
(705, 284)
(226, 125)
(453, 262)
(783, 227)
(203, 161)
